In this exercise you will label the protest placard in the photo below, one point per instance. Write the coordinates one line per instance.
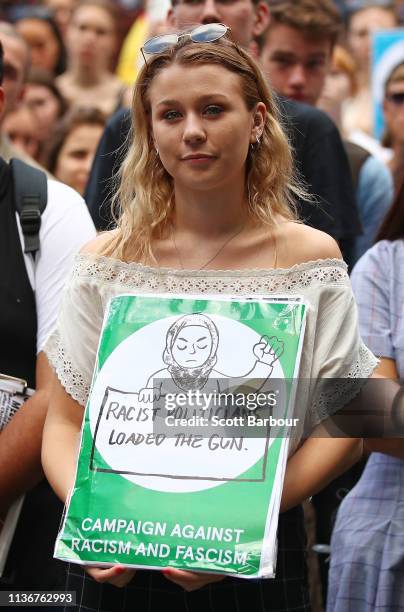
(183, 446)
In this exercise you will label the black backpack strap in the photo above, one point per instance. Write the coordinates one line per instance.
(30, 196)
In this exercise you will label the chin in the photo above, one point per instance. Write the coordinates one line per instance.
(301, 99)
(208, 183)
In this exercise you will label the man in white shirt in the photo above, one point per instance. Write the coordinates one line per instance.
(65, 227)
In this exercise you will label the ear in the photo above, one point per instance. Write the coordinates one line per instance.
(170, 19)
(261, 19)
(259, 118)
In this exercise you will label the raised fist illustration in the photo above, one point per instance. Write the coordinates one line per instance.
(268, 350)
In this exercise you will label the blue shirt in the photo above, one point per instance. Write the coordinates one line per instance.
(378, 285)
(374, 197)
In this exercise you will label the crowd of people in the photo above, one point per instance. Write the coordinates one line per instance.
(245, 143)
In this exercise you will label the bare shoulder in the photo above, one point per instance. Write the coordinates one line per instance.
(300, 243)
(99, 244)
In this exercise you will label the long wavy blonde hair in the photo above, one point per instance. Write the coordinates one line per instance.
(144, 200)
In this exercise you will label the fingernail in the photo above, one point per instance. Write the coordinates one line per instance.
(119, 570)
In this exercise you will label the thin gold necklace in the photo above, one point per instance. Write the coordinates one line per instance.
(232, 237)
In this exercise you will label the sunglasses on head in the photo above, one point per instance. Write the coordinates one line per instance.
(396, 98)
(202, 34)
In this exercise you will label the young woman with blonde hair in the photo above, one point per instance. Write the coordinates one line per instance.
(206, 207)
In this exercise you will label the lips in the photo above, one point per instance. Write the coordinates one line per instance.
(86, 53)
(196, 157)
(299, 97)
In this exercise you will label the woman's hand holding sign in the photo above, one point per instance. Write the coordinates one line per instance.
(191, 581)
(117, 575)
(120, 576)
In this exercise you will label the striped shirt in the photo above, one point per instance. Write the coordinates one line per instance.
(378, 284)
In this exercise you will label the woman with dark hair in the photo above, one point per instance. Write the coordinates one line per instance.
(91, 41)
(38, 27)
(393, 110)
(45, 100)
(62, 11)
(367, 548)
(71, 149)
(20, 127)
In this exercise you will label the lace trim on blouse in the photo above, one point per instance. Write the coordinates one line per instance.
(72, 380)
(343, 390)
(138, 276)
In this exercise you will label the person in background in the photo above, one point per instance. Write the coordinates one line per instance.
(399, 8)
(148, 23)
(361, 23)
(393, 109)
(37, 26)
(21, 127)
(295, 49)
(71, 149)
(296, 52)
(62, 12)
(30, 290)
(367, 547)
(341, 83)
(296, 55)
(45, 100)
(16, 67)
(91, 45)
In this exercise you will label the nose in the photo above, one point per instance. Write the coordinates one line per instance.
(36, 56)
(210, 13)
(87, 163)
(297, 76)
(193, 130)
(88, 36)
(91, 37)
(192, 349)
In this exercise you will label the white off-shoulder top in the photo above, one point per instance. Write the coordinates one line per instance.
(332, 347)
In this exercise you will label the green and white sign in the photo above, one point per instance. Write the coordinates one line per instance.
(177, 465)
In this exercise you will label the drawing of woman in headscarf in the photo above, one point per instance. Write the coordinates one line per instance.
(191, 355)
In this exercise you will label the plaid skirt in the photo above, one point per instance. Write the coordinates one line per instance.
(150, 591)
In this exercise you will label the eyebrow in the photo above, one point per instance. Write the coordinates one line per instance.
(204, 98)
(281, 53)
(203, 338)
(320, 54)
